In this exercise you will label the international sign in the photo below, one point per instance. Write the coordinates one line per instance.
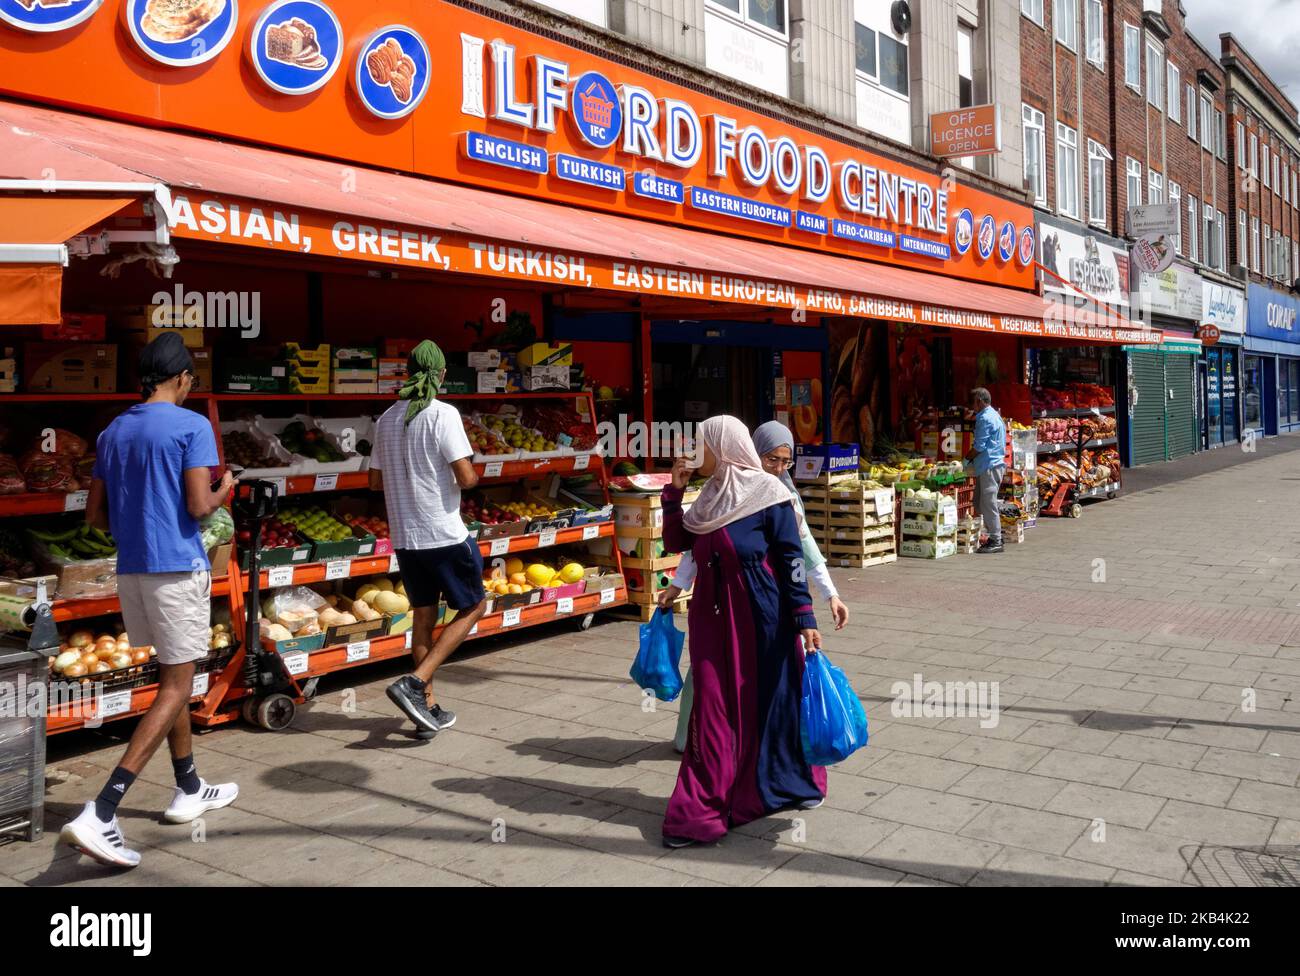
(974, 131)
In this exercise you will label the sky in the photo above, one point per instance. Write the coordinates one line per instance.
(1269, 30)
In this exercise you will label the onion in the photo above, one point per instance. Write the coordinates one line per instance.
(75, 670)
(139, 656)
(122, 637)
(121, 659)
(153, 651)
(66, 660)
(101, 667)
(100, 638)
(81, 638)
(89, 659)
(106, 651)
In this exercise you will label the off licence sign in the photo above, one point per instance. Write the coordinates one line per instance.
(974, 131)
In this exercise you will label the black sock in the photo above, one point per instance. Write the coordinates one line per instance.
(111, 795)
(186, 778)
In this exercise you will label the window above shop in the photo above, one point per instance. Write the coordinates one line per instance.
(881, 76)
(592, 11)
(749, 40)
(1033, 9)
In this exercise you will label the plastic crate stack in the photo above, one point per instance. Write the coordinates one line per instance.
(852, 521)
(929, 527)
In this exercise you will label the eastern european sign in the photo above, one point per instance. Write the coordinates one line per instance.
(44, 16)
(182, 33)
(296, 46)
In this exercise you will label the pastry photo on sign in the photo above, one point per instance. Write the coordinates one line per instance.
(169, 21)
(294, 42)
(389, 65)
(47, 4)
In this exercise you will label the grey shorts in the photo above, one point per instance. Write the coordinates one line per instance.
(171, 611)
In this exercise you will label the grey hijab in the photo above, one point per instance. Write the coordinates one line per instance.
(767, 438)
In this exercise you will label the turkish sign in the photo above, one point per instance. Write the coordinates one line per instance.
(514, 111)
(974, 131)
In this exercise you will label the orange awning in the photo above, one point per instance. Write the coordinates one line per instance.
(30, 294)
(54, 218)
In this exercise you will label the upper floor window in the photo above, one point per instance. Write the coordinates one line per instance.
(1035, 151)
(1133, 182)
(1239, 133)
(1065, 16)
(1265, 155)
(1220, 135)
(1176, 198)
(1173, 99)
(1132, 57)
(1095, 38)
(1098, 156)
(1033, 9)
(768, 14)
(1207, 123)
(1191, 113)
(1155, 76)
(1254, 155)
(1067, 171)
(1155, 187)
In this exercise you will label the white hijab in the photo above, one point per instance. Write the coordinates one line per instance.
(738, 486)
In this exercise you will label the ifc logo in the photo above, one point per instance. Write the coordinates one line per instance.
(595, 110)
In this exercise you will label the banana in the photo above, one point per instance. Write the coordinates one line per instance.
(45, 535)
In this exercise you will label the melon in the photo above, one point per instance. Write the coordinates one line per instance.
(570, 573)
(367, 592)
(514, 565)
(400, 588)
(384, 583)
(391, 603)
(539, 574)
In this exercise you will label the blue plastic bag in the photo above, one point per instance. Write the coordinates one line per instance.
(658, 662)
(833, 725)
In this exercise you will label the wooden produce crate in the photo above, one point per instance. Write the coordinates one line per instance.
(643, 611)
(862, 560)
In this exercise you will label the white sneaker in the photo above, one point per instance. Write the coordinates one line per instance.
(99, 840)
(187, 806)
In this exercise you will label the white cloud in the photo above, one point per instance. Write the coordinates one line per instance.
(1269, 30)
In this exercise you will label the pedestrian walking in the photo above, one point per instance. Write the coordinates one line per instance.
(151, 485)
(422, 461)
(750, 624)
(988, 455)
(774, 444)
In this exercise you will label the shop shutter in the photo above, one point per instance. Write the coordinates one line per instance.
(1180, 372)
(1147, 418)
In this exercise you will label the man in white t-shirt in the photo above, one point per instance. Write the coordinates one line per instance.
(421, 460)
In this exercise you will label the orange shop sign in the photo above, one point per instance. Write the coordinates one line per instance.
(434, 89)
(974, 131)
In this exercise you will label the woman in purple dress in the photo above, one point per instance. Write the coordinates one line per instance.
(750, 624)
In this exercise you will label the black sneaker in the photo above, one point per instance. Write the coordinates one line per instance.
(444, 718)
(677, 842)
(407, 693)
(989, 547)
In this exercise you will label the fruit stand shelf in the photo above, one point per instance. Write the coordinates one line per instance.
(1071, 446)
(41, 503)
(514, 470)
(136, 701)
(1074, 412)
(65, 610)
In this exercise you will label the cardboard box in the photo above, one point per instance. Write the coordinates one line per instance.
(535, 378)
(490, 381)
(76, 327)
(540, 354)
(356, 357)
(484, 359)
(811, 461)
(253, 376)
(70, 367)
(307, 355)
(219, 558)
(355, 381)
(399, 348)
(8, 370)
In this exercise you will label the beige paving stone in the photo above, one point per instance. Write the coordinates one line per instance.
(1034, 869)
(814, 870)
(1035, 830)
(1212, 825)
(997, 753)
(926, 808)
(1085, 768)
(1003, 785)
(932, 854)
(1103, 803)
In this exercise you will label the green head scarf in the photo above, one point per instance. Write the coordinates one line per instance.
(422, 368)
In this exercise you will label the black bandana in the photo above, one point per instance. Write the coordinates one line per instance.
(162, 359)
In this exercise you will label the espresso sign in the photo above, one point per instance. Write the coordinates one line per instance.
(974, 131)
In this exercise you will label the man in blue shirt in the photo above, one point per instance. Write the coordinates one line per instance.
(151, 486)
(989, 456)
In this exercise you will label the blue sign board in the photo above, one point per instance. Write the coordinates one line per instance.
(810, 222)
(296, 46)
(505, 152)
(182, 38)
(963, 231)
(596, 111)
(1272, 315)
(734, 206)
(656, 187)
(849, 231)
(44, 16)
(924, 247)
(1007, 241)
(392, 73)
(579, 170)
(986, 237)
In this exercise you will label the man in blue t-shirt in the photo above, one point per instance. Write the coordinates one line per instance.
(988, 454)
(151, 487)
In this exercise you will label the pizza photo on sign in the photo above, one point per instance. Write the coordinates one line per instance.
(389, 65)
(169, 21)
(294, 42)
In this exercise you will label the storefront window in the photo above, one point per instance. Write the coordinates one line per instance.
(1252, 392)
(1293, 391)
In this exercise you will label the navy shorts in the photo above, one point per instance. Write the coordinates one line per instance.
(451, 573)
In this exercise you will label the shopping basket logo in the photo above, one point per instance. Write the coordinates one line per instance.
(596, 112)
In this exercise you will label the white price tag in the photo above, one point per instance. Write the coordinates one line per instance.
(545, 538)
(409, 635)
(590, 532)
(393, 567)
(581, 462)
(296, 663)
(492, 469)
(117, 703)
(884, 502)
(281, 486)
(564, 605)
(358, 651)
(607, 596)
(338, 569)
(279, 576)
(473, 630)
(75, 501)
(500, 546)
(326, 482)
(200, 685)
(510, 618)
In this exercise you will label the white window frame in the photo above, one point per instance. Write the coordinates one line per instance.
(1069, 18)
(1028, 7)
(1133, 57)
(1264, 160)
(1207, 222)
(1220, 134)
(1207, 123)
(1193, 229)
(1176, 198)
(1173, 93)
(1031, 119)
(741, 17)
(1155, 187)
(1239, 137)
(1254, 155)
(1067, 177)
(1098, 156)
(1268, 251)
(1254, 244)
(1155, 57)
(1277, 171)
(1221, 235)
(1132, 178)
(1242, 246)
(1191, 112)
(1095, 44)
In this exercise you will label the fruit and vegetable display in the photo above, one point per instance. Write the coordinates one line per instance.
(15, 561)
(514, 434)
(276, 534)
(62, 464)
(75, 543)
(560, 424)
(309, 442)
(371, 524)
(1067, 430)
(85, 653)
(299, 611)
(484, 440)
(217, 529)
(479, 509)
(516, 576)
(315, 523)
(1073, 396)
(245, 451)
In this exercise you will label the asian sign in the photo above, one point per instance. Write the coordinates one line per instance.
(447, 93)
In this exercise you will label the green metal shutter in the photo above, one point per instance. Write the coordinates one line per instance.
(1180, 373)
(1147, 418)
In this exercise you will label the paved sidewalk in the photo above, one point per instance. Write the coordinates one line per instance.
(1123, 647)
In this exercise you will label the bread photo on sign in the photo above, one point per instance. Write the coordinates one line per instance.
(169, 21)
(389, 65)
(294, 42)
(47, 4)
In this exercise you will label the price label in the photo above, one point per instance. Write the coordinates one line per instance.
(409, 635)
(118, 703)
(500, 546)
(75, 501)
(338, 569)
(392, 564)
(590, 532)
(607, 596)
(281, 487)
(326, 482)
(564, 605)
(279, 576)
(200, 685)
(510, 618)
(581, 462)
(545, 538)
(492, 469)
(296, 663)
(358, 651)
(884, 502)
(473, 630)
